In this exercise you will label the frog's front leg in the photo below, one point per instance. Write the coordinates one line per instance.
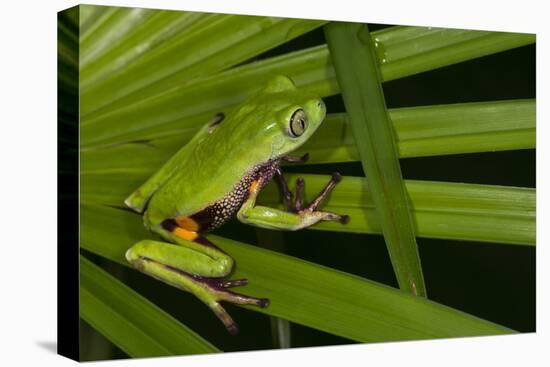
(297, 216)
(192, 264)
(287, 194)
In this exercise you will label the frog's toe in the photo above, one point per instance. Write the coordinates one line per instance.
(233, 329)
(217, 290)
(344, 219)
(241, 299)
(334, 179)
(229, 283)
(225, 318)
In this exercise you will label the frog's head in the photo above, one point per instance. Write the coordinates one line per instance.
(297, 115)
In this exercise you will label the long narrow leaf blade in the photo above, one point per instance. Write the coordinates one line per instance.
(311, 69)
(159, 28)
(405, 50)
(455, 211)
(196, 50)
(110, 32)
(435, 130)
(303, 292)
(132, 323)
(353, 55)
(445, 210)
(205, 97)
(420, 131)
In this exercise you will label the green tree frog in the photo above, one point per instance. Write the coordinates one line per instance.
(218, 175)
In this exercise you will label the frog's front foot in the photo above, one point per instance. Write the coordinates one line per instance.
(311, 208)
(297, 215)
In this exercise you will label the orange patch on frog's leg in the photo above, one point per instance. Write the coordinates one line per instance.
(171, 226)
(187, 223)
(185, 234)
(253, 186)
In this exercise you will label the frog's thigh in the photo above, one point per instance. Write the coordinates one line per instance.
(155, 257)
(192, 271)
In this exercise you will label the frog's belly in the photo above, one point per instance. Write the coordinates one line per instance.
(224, 209)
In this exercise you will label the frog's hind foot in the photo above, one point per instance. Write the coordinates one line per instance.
(214, 290)
(163, 261)
(225, 318)
(217, 290)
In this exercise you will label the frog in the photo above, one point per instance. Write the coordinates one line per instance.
(218, 176)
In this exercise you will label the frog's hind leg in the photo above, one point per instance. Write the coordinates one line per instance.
(195, 265)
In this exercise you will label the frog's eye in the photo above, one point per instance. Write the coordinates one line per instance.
(298, 123)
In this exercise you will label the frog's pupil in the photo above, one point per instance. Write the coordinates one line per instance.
(298, 123)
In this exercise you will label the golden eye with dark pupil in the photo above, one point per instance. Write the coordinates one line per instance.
(298, 123)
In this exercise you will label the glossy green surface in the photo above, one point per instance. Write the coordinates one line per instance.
(447, 210)
(304, 292)
(130, 321)
(354, 57)
(215, 169)
(256, 132)
(140, 115)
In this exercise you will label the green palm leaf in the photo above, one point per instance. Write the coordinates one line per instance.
(345, 305)
(131, 322)
(149, 79)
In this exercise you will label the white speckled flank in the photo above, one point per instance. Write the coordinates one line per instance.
(221, 211)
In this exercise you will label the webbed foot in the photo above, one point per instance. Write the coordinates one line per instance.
(180, 265)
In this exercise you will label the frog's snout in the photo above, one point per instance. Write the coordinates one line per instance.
(320, 104)
(321, 108)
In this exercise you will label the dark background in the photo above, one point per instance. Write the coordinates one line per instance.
(493, 281)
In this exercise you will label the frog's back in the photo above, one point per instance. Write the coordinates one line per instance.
(212, 180)
(215, 170)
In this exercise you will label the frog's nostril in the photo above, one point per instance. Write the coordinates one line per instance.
(319, 104)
